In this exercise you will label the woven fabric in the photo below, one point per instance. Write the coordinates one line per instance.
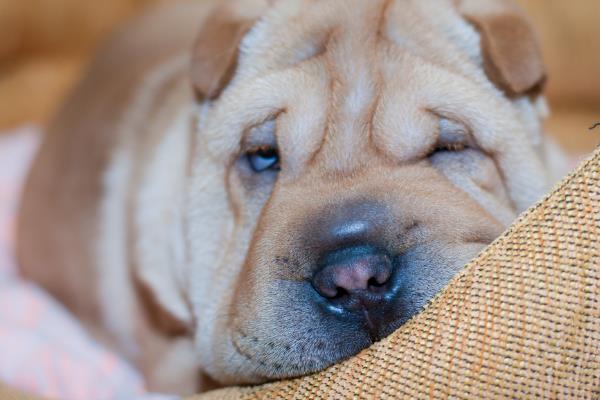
(520, 321)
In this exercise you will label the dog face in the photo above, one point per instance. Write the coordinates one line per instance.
(352, 160)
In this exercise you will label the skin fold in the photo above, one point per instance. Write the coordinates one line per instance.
(249, 190)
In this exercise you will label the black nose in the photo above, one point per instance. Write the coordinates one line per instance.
(355, 269)
(355, 278)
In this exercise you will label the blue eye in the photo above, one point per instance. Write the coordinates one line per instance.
(263, 158)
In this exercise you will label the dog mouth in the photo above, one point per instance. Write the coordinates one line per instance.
(346, 281)
(275, 359)
(352, 300)
(266, 360)
(333, 335)
(298, 331)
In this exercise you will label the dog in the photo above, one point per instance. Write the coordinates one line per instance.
(249, 190)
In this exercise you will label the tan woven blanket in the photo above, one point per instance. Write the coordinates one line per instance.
(520, 321)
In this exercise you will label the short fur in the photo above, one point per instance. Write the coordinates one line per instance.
(142, 215)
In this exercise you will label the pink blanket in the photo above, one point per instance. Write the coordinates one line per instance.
(43, 349)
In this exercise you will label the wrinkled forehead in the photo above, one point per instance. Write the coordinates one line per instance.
(349, 58)
(345, 70)
(352, 31)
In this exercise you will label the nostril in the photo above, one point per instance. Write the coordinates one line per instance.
(340, 294)
(374, 282)
(382, 276)
(331, 292)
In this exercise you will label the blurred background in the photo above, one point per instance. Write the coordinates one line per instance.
(44, 45)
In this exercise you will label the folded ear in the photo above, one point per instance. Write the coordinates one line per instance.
(511, 54)
(215, 54)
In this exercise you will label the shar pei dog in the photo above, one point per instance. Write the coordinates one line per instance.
(247, 190)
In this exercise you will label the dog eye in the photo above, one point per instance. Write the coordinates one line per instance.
(453, 137)
(263, 158)
(450, 147)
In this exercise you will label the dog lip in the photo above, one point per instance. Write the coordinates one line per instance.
(354, 331)
(261, 367)
(369, 325)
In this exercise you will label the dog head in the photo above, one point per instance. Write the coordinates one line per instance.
(351, 157)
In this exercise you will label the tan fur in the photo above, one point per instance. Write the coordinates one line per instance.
(167, 241)
(214, 60)
(512, 57)
(61, 230)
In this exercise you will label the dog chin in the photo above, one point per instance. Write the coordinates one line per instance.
(255, 367)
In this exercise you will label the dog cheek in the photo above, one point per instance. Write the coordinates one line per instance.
(229, 291)
(209, 225)
(477, 175)
(428, 269)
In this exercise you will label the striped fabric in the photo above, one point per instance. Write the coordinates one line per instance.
(520, 321)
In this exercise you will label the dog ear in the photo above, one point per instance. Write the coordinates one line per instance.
(215, 53)
(511, 54)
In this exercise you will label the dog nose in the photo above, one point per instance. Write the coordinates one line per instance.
(354, 278)
(355, 275)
